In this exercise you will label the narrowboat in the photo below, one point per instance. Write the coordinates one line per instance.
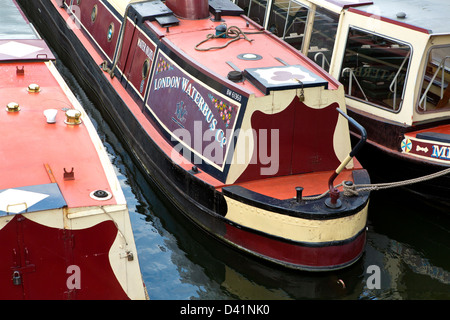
(393, 59)
(243, 134)
(65, 229)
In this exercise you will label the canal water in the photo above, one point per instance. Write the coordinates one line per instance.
(407, 254)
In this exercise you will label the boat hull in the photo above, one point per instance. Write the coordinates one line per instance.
(205, 205)
(386, 162)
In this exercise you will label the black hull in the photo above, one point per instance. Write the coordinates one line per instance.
(385, 165)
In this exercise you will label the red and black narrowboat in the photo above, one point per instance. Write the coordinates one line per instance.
(242, 133)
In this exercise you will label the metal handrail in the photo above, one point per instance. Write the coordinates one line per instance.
(394, 81)
(352, 75)
(333, 201)
(441, 66)
(324, 59)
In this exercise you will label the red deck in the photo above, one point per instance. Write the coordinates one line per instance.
(24, 151)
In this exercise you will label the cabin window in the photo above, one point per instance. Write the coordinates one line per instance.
(323, 37)
(254, 9)
(287, 20)
(374, 69)
(94, 13)
(110, 33)
(146, 68)
(435, 91)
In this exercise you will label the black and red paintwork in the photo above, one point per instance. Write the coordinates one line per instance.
(155, 83)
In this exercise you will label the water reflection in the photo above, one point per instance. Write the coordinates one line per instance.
(409, 242)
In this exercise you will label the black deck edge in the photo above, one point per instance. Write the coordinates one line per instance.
(307, 209)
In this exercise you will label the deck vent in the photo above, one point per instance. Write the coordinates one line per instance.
(235, 76)
(100, 195)
(12, 107)
(34, 88)
(73, 117)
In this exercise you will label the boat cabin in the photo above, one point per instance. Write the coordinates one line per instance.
(391, 56)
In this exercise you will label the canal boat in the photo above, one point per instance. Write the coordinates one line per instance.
(65, 229)
(393, 59)
(243, 134)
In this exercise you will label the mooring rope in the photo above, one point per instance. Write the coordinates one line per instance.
(351, 190)
(233, 32)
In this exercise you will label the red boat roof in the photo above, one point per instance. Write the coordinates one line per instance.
(35, 152)
(269, 50)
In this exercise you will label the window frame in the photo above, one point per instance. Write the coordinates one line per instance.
(407, 78)
(417, 106)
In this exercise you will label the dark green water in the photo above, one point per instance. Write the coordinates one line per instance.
(407, 254)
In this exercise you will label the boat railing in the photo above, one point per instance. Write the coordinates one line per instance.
(352, 76)
(324, 59)
(333, 201)
(423, 99)
(393, 85)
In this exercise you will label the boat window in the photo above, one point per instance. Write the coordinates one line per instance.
(287, 20)
(94, 13)
(254, 9)
(146, 68)
(110, 33)
(323, 37)
(374, 69)
(435, 91)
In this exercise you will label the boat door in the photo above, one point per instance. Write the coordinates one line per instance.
(34, 259)
(137, 58)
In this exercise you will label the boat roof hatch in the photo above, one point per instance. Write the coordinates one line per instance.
(31, 199)
(153, 11)
(283, 78)
(224, 7)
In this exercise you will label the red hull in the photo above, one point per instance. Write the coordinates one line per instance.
(301, 256)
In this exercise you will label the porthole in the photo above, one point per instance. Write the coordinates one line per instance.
(145, 68)
(94, 13)
(110, 32)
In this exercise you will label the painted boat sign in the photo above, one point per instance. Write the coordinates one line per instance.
(432, 150)
(198, 118)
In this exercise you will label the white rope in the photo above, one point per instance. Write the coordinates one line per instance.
(354, 189)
